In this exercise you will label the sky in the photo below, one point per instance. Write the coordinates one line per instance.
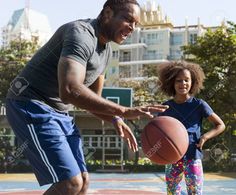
(211, 12)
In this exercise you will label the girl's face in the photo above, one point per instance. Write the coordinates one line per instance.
(183, 83)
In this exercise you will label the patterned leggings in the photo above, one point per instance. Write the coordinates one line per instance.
(191, 169)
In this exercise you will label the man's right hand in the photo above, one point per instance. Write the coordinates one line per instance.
(143, 111)
(126, 133)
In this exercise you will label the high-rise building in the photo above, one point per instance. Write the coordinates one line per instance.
(26, 24)
(154, 41)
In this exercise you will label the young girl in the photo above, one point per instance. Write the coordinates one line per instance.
(182, 80)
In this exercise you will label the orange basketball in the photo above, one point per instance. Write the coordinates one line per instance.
(164, 140)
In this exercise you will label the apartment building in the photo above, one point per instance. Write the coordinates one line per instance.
(26, 24)
(154, 41)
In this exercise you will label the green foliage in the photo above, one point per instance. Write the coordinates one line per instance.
(12, 59)
(145, 91)
(6, 148)
(216, 52)
(143, 165)
(141, 161)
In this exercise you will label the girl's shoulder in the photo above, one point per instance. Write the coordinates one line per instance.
(200, 101)
(191, 101)
(168, 102)
(204, 106)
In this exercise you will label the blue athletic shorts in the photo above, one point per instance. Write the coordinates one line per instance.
(52, 143)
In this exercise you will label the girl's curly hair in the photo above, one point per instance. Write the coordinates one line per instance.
(168, 72)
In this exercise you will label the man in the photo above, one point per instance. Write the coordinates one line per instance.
(69, 69)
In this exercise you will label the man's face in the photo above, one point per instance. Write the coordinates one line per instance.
(122, 23)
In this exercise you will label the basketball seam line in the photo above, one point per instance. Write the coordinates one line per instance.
(168, 139)
(152, 146)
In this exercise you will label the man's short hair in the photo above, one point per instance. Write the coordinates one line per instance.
(113, 4)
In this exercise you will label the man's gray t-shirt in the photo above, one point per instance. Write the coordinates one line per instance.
(76, 40)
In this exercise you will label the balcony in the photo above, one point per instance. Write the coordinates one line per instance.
(154, 61)
(132, 46)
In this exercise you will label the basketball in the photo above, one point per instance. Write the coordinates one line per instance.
(164, 140)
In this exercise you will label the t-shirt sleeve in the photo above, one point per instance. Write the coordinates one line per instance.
(206, 109)
(78, 45)
(161, 113)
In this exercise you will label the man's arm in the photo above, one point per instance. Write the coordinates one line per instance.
(71, 75)
(97, 87)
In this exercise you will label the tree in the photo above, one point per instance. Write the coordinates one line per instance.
(216, 52)
(146, 90)
(12, 59)
(6, 149)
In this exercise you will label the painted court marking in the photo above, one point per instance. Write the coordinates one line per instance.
(122, 184)
(94, 192)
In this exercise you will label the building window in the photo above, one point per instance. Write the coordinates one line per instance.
(159, 54)
(113, 70)
(125, 56)
(193, 38)
(176, 39)
(115, 54)
(154, 54)
(154, 38)
(175, 54)
(151, 54)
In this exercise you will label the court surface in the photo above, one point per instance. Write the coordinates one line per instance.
(119, 183)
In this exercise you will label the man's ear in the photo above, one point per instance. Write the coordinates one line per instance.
(108, 13)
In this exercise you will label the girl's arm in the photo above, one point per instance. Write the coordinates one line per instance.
(218, 128)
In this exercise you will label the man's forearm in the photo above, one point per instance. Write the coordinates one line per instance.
(104, 117)
(84, 98)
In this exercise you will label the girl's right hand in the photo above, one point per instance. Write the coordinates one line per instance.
(202, 141)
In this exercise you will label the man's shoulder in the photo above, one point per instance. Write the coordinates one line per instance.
(83, 25)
